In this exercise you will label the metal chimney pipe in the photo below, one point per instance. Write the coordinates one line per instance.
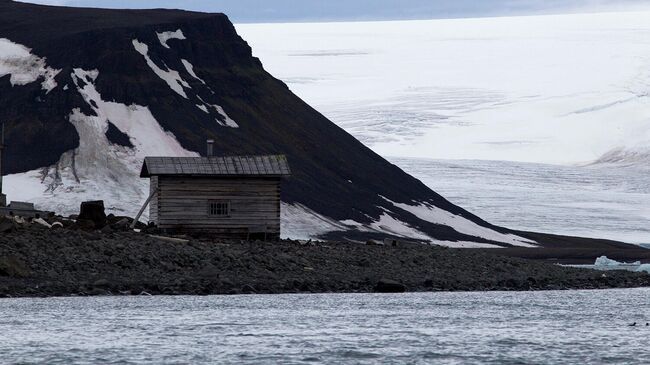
(210, 147)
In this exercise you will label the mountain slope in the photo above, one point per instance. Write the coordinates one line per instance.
(87, 93)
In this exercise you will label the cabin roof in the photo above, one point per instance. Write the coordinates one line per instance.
(251, 166)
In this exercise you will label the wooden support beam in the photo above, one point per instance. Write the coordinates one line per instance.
(137, 217)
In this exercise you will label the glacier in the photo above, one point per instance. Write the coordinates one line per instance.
(596, 200)
(538, 123)
(558, 89)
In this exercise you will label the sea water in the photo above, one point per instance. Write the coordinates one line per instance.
(553, 327)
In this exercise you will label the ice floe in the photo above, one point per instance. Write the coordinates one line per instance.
(24, 67)
(604, 263)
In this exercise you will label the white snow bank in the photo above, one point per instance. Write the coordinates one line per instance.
(171, 77)
(302, 223)
(98, 169)
(24, 67)
(136, 121)
(165, 36)
(465, 244)
(355, 224)
(433, 214)
(390, 225)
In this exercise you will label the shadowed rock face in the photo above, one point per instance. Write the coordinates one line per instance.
(333, 173)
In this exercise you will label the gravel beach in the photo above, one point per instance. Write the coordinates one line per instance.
(38, 261)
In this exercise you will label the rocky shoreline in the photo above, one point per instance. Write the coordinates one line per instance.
(37, 261)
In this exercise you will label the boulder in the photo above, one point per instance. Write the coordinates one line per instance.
(57, 225)
(6, 225)
(374, 243)
(42, 222)
(122, 224)
(93, 211)
(101, 283)
(248, 289)
(389, 286)
(13, 267)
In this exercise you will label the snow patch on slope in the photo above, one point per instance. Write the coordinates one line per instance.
(165, 36)
(389, 225)
(227, 121)
(302, 223)
(203, 108)
(465, 244)
(98, 169)
(136, 121)
(190, 70)
(171, 77)
(433, 214)
(395, 227)
(24, 67)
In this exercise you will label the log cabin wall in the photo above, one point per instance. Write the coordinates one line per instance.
(153, 205)
(198, 204)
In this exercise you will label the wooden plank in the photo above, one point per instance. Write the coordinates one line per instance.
(182, 203)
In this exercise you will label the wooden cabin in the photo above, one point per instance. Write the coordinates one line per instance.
(228, 197)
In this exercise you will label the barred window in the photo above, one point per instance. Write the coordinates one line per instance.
(219, 209)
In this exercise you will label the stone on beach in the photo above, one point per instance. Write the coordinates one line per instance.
(389, 286)
(93, 211)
